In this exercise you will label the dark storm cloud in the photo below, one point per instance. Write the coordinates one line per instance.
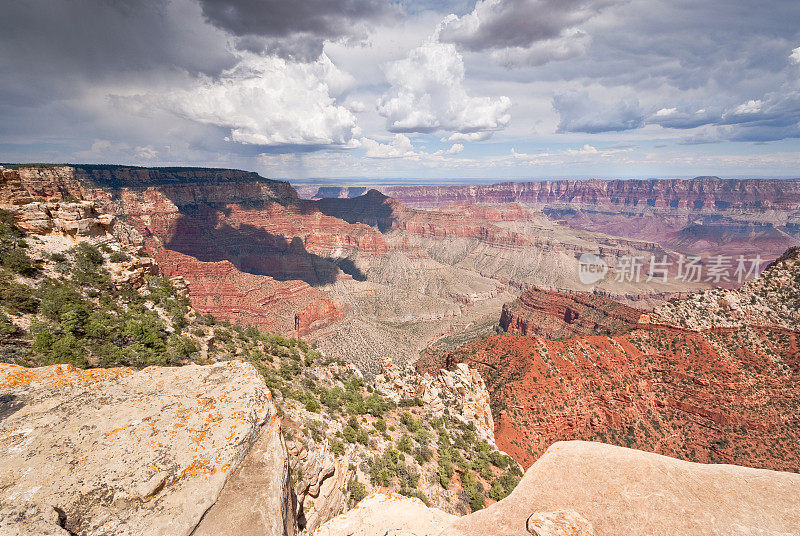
(294, 28)
(578, 113)
(48, 47)
(775, 116)
(718, 64)
(685, 118)
(518, 23)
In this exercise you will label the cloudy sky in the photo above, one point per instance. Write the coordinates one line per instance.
(419, 90)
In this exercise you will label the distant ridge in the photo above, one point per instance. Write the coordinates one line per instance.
(119, 176)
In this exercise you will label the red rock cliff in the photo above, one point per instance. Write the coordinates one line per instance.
(559, 315)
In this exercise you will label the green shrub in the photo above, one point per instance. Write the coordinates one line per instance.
(445, 469)
(409, 422)
(350, 434)
(337, 447)
(7, 328)
(405, 444)
(119, 256)
(474, 491)
(423, 454)
(375, 405)
(357, 491)
(503, 485)
(18, 261)
(18, 299)
(312, 405)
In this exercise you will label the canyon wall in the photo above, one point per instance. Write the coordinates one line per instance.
(711, 378)
(698, 193)
(365, 277)
(704, 215)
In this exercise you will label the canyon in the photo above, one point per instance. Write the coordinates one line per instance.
(608, 392)
(710, 378)
(706, 216)
(363, 277)
(123, 409)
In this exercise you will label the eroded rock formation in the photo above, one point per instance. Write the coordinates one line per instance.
(560, 315)
(710, 378)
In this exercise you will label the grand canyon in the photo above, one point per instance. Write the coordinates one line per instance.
(388, 336)
(400, 268)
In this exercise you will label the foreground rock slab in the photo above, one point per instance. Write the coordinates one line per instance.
(114, 451)
(622, 492)
(388, 515)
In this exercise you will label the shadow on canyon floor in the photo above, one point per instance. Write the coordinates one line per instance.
(200, 234)
(373, 209)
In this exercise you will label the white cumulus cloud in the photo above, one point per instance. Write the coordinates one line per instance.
(749, 107)
(795, 55)
(455, 149)
(267, 100)
(428, 95)
(399, 147)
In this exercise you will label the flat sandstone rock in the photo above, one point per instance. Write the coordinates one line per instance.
(114, 451)
(625, 492)
(388, 515)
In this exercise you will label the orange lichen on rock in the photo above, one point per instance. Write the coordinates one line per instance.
(57, 375)
(161, 434)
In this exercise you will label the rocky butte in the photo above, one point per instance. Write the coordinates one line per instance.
(710, 378)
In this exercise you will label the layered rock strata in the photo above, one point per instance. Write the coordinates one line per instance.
(709, 378)
(703, 215)
(559, 315)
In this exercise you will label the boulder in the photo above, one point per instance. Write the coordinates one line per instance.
(388, 515)
(114, 451)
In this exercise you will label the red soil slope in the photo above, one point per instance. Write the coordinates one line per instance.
(727, 390)
(707, 397)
